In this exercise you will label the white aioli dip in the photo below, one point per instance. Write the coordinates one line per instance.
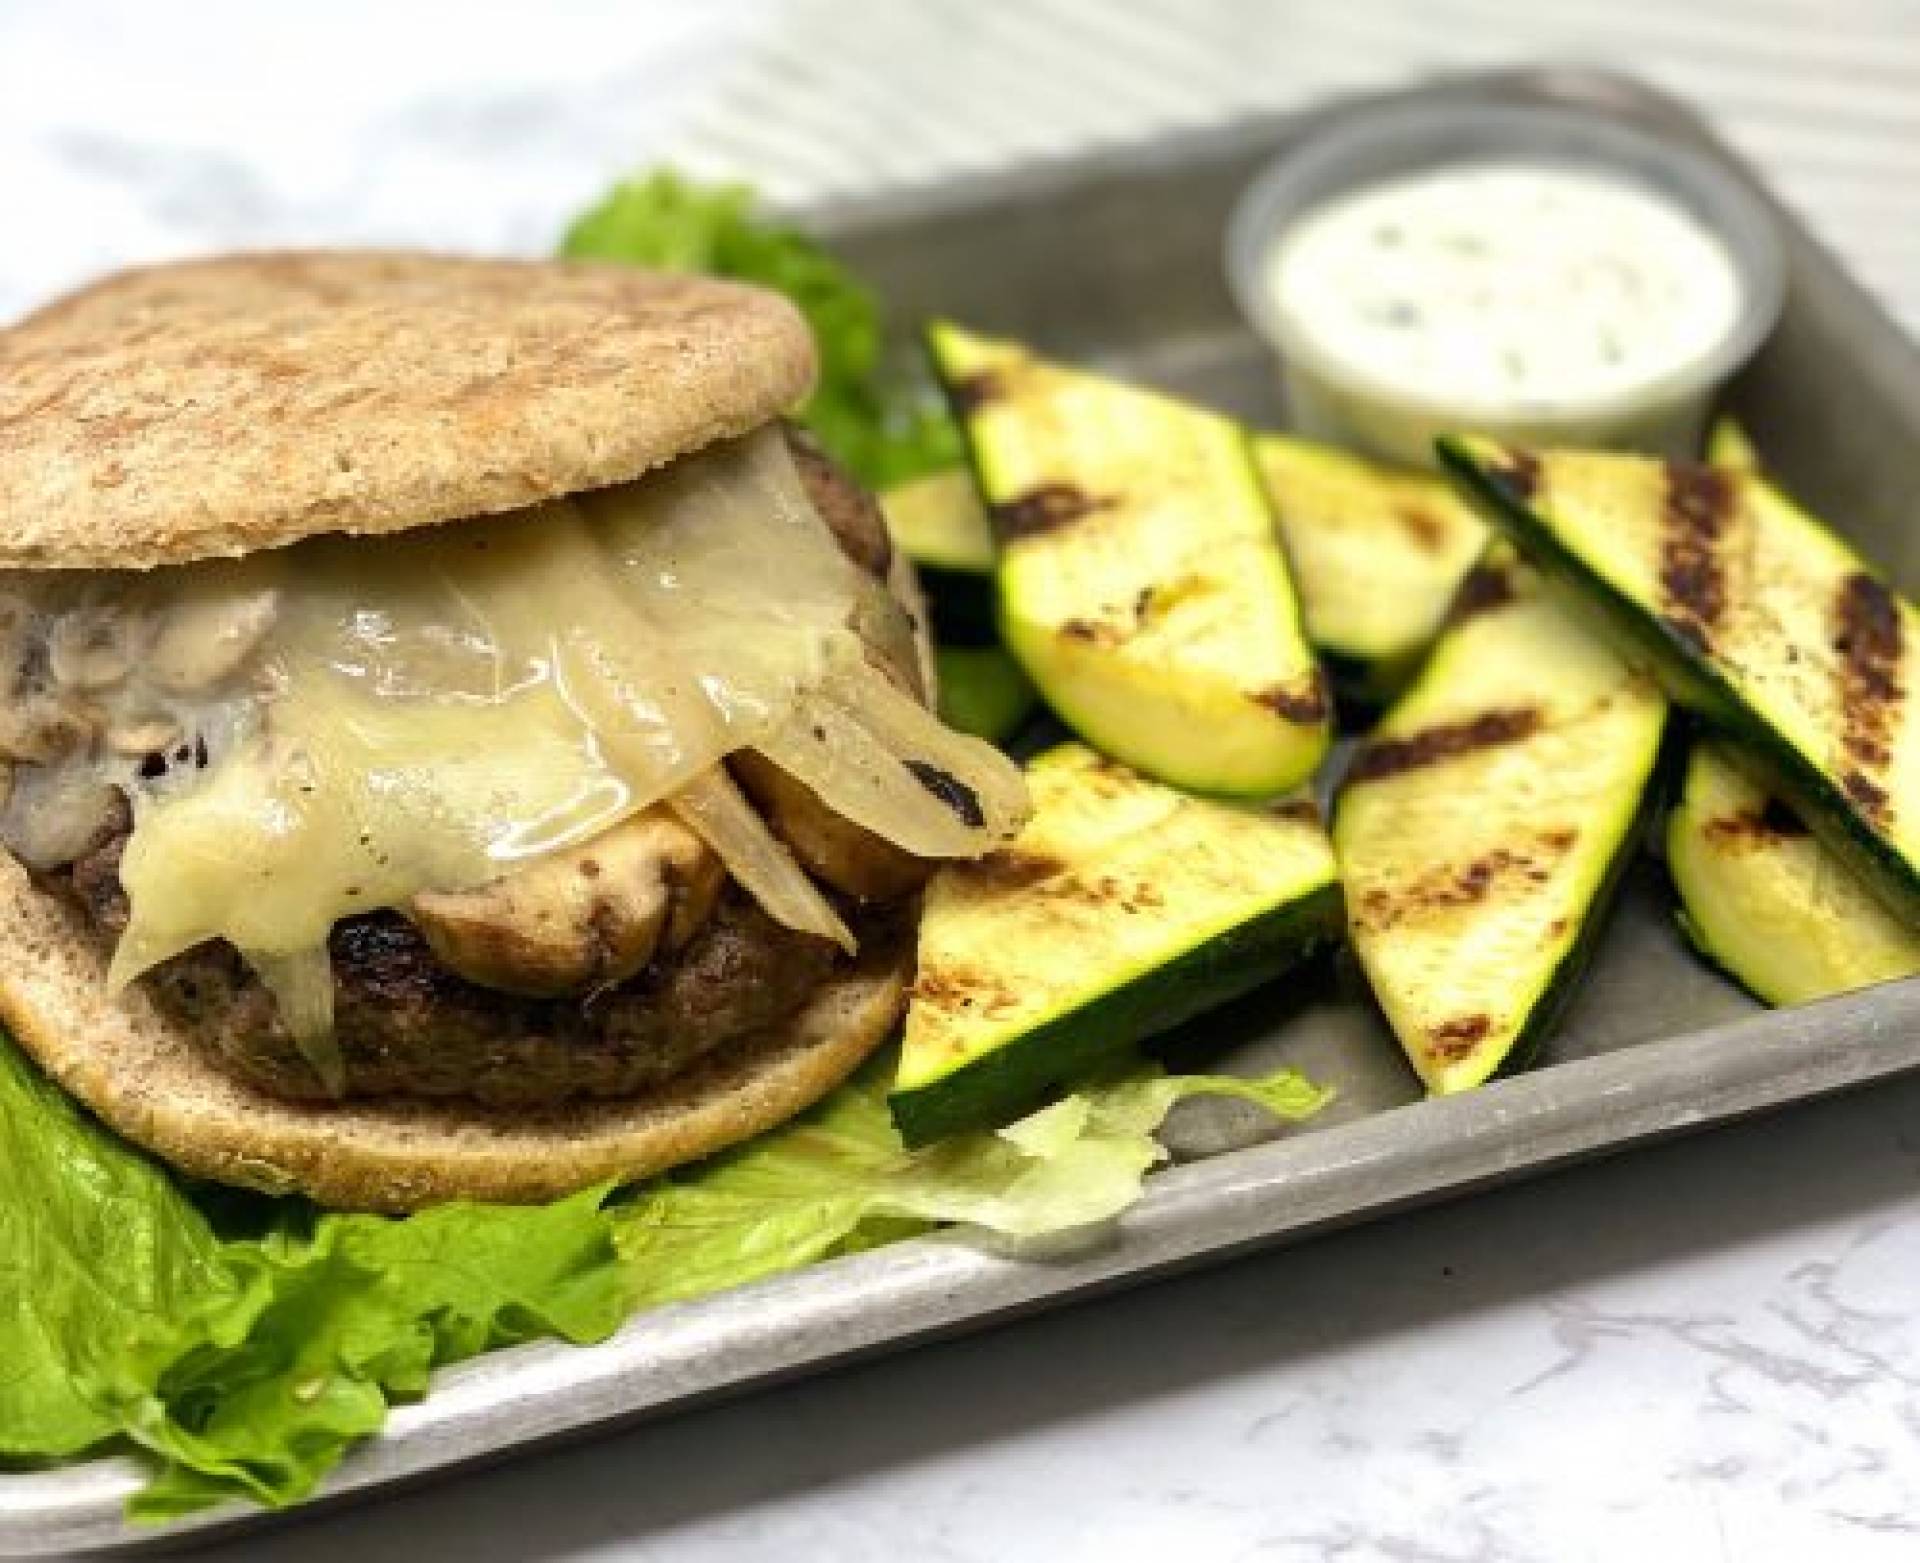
(1509, 286)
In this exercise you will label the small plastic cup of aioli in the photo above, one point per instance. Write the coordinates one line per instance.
(1335, 398)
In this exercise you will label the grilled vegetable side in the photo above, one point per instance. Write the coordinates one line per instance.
(983, 691)
(938, 522)
(1141, 584)
(1730, 448)
(1124, 908)
(1483, 827)
(1378, 556)
(1752, 613)
(1765, 902)
(1761, 898)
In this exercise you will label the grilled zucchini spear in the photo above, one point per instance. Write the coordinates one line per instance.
(1730, 448)
(938, 522)
(1140, 582)
(983, 691)
(1752, 613)
(1378, 556)
(1484, 826)
(1766, 902)
(1123, 909)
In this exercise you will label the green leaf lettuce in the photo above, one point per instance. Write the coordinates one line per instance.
(246, 1365)
(880, 424)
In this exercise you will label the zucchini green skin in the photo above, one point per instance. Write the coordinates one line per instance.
(1692, 680)
(1001, 1085)
(983, 691)
(1730, 446)
(1562, 987)
(1761, 900)
(937, 522)
(1124, 908)
(1183, 729)
(965, 607)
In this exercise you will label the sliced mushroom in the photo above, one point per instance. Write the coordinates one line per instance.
(49, 826)
(834, 850)
(584, 918)
(204, 638)
(139, 736)
(92, 649)
(850, 512)
(17, 622)
(40, 730)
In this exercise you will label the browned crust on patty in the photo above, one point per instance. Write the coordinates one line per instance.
(146, 1079)
(220, 406)
(406, 1026)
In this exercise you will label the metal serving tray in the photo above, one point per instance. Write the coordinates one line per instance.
(1116, 259)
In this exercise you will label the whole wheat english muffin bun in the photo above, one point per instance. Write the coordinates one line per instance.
(232, 405)
(146, 1079)
(217, 407)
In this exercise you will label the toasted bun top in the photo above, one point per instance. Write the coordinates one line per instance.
(222, 406)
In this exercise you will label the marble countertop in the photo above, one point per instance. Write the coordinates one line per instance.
(1709, 1349)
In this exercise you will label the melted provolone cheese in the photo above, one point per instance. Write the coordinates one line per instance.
(427, 712)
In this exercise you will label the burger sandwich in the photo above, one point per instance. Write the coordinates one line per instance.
(457, 738)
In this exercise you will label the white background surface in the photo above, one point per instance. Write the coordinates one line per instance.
(1710, 1350)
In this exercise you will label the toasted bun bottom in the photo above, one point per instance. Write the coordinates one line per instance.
(146, 1079)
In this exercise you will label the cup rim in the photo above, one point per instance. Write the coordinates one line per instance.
(1378, 145)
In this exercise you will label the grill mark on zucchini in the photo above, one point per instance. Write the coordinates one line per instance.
(1120, 624)
(1012, 868)
(1124, 909)
(1303, 703)
(1773, 821)
(1093, 632)
(1868, 795)
(1454, 885)
(1423, 526)
(1694, 520)
(1455, 1039)
(1140, 585)
(1447, 741)
(1518, 472)
(974, 391)
(1301, 809)
(1871, 647)
(1777, 687)
(1051, 507)
(1020, 868)
(961, 988)
(1488, 585)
